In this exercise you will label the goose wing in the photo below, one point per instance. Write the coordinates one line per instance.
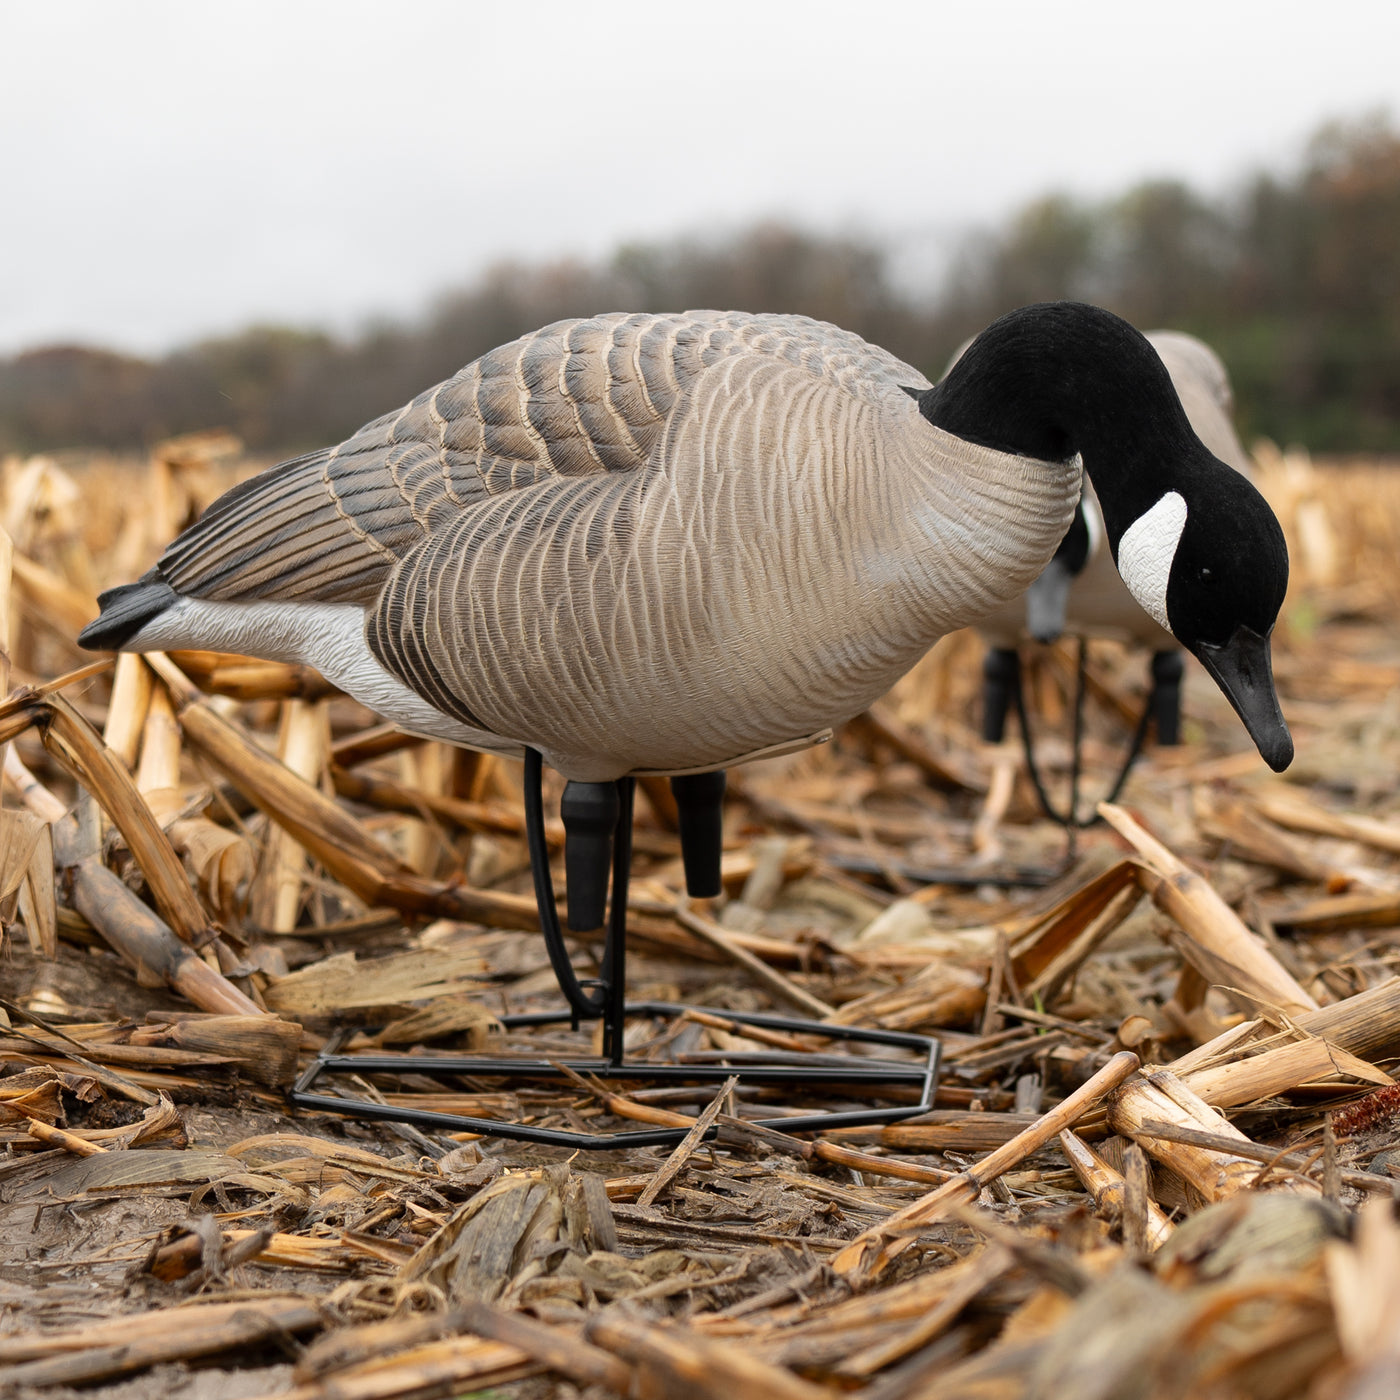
(576, 399)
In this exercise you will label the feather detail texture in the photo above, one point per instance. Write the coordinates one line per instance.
(640, 542)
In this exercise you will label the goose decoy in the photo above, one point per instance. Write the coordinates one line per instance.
(667, 544)
(1081, 591)
(670, 543)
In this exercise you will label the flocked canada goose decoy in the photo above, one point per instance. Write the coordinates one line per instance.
(665, 543)
(1080, 590)
(669, 543)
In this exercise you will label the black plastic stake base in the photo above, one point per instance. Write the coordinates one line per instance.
(589, 812)
(700, 805)
(1001, 678)
(1167, 671)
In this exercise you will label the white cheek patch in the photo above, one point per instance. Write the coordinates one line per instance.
(1146, 551)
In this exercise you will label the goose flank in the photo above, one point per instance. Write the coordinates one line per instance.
(668, 543)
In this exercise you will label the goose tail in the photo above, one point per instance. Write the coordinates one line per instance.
(126, 610)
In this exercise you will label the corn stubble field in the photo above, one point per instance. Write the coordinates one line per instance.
(1163, 1153)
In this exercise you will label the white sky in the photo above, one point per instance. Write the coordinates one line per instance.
(171, 168)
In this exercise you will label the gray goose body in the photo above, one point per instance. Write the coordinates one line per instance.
(635, 543)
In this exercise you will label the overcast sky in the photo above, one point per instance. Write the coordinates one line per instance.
(170, 170)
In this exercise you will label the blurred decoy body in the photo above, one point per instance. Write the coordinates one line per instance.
(1081, 590)
(667, 543)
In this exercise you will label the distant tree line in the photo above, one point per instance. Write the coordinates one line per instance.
(1294, 279)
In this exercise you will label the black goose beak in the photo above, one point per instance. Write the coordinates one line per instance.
(1047, 599)
(1242, 669)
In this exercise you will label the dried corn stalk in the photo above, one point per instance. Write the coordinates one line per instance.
(26, 878)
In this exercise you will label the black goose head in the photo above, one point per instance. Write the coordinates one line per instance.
(1196, 544)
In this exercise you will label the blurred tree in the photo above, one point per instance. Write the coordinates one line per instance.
(1168, 255)
(1047, 253)
(67, 394)
(1310, 325)
(1295, 280)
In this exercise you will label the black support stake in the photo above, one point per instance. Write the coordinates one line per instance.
(1070, 818)
(615, 948)
(1167, 671)
(589, 812)
(1001, 679)
(584, 1004)
(700, 805)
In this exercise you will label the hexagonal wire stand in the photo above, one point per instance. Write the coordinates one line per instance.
(598, 833)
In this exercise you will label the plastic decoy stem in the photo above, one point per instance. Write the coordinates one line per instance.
(700, 808)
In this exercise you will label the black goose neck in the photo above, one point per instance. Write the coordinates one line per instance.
(1049, 380)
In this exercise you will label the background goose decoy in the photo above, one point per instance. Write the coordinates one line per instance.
(1081, 591)
(668, 543)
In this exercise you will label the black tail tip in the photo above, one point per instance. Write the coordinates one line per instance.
(125, 611)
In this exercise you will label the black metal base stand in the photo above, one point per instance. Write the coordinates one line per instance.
(1002, 690)
(792, 1070)
(597, 840)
